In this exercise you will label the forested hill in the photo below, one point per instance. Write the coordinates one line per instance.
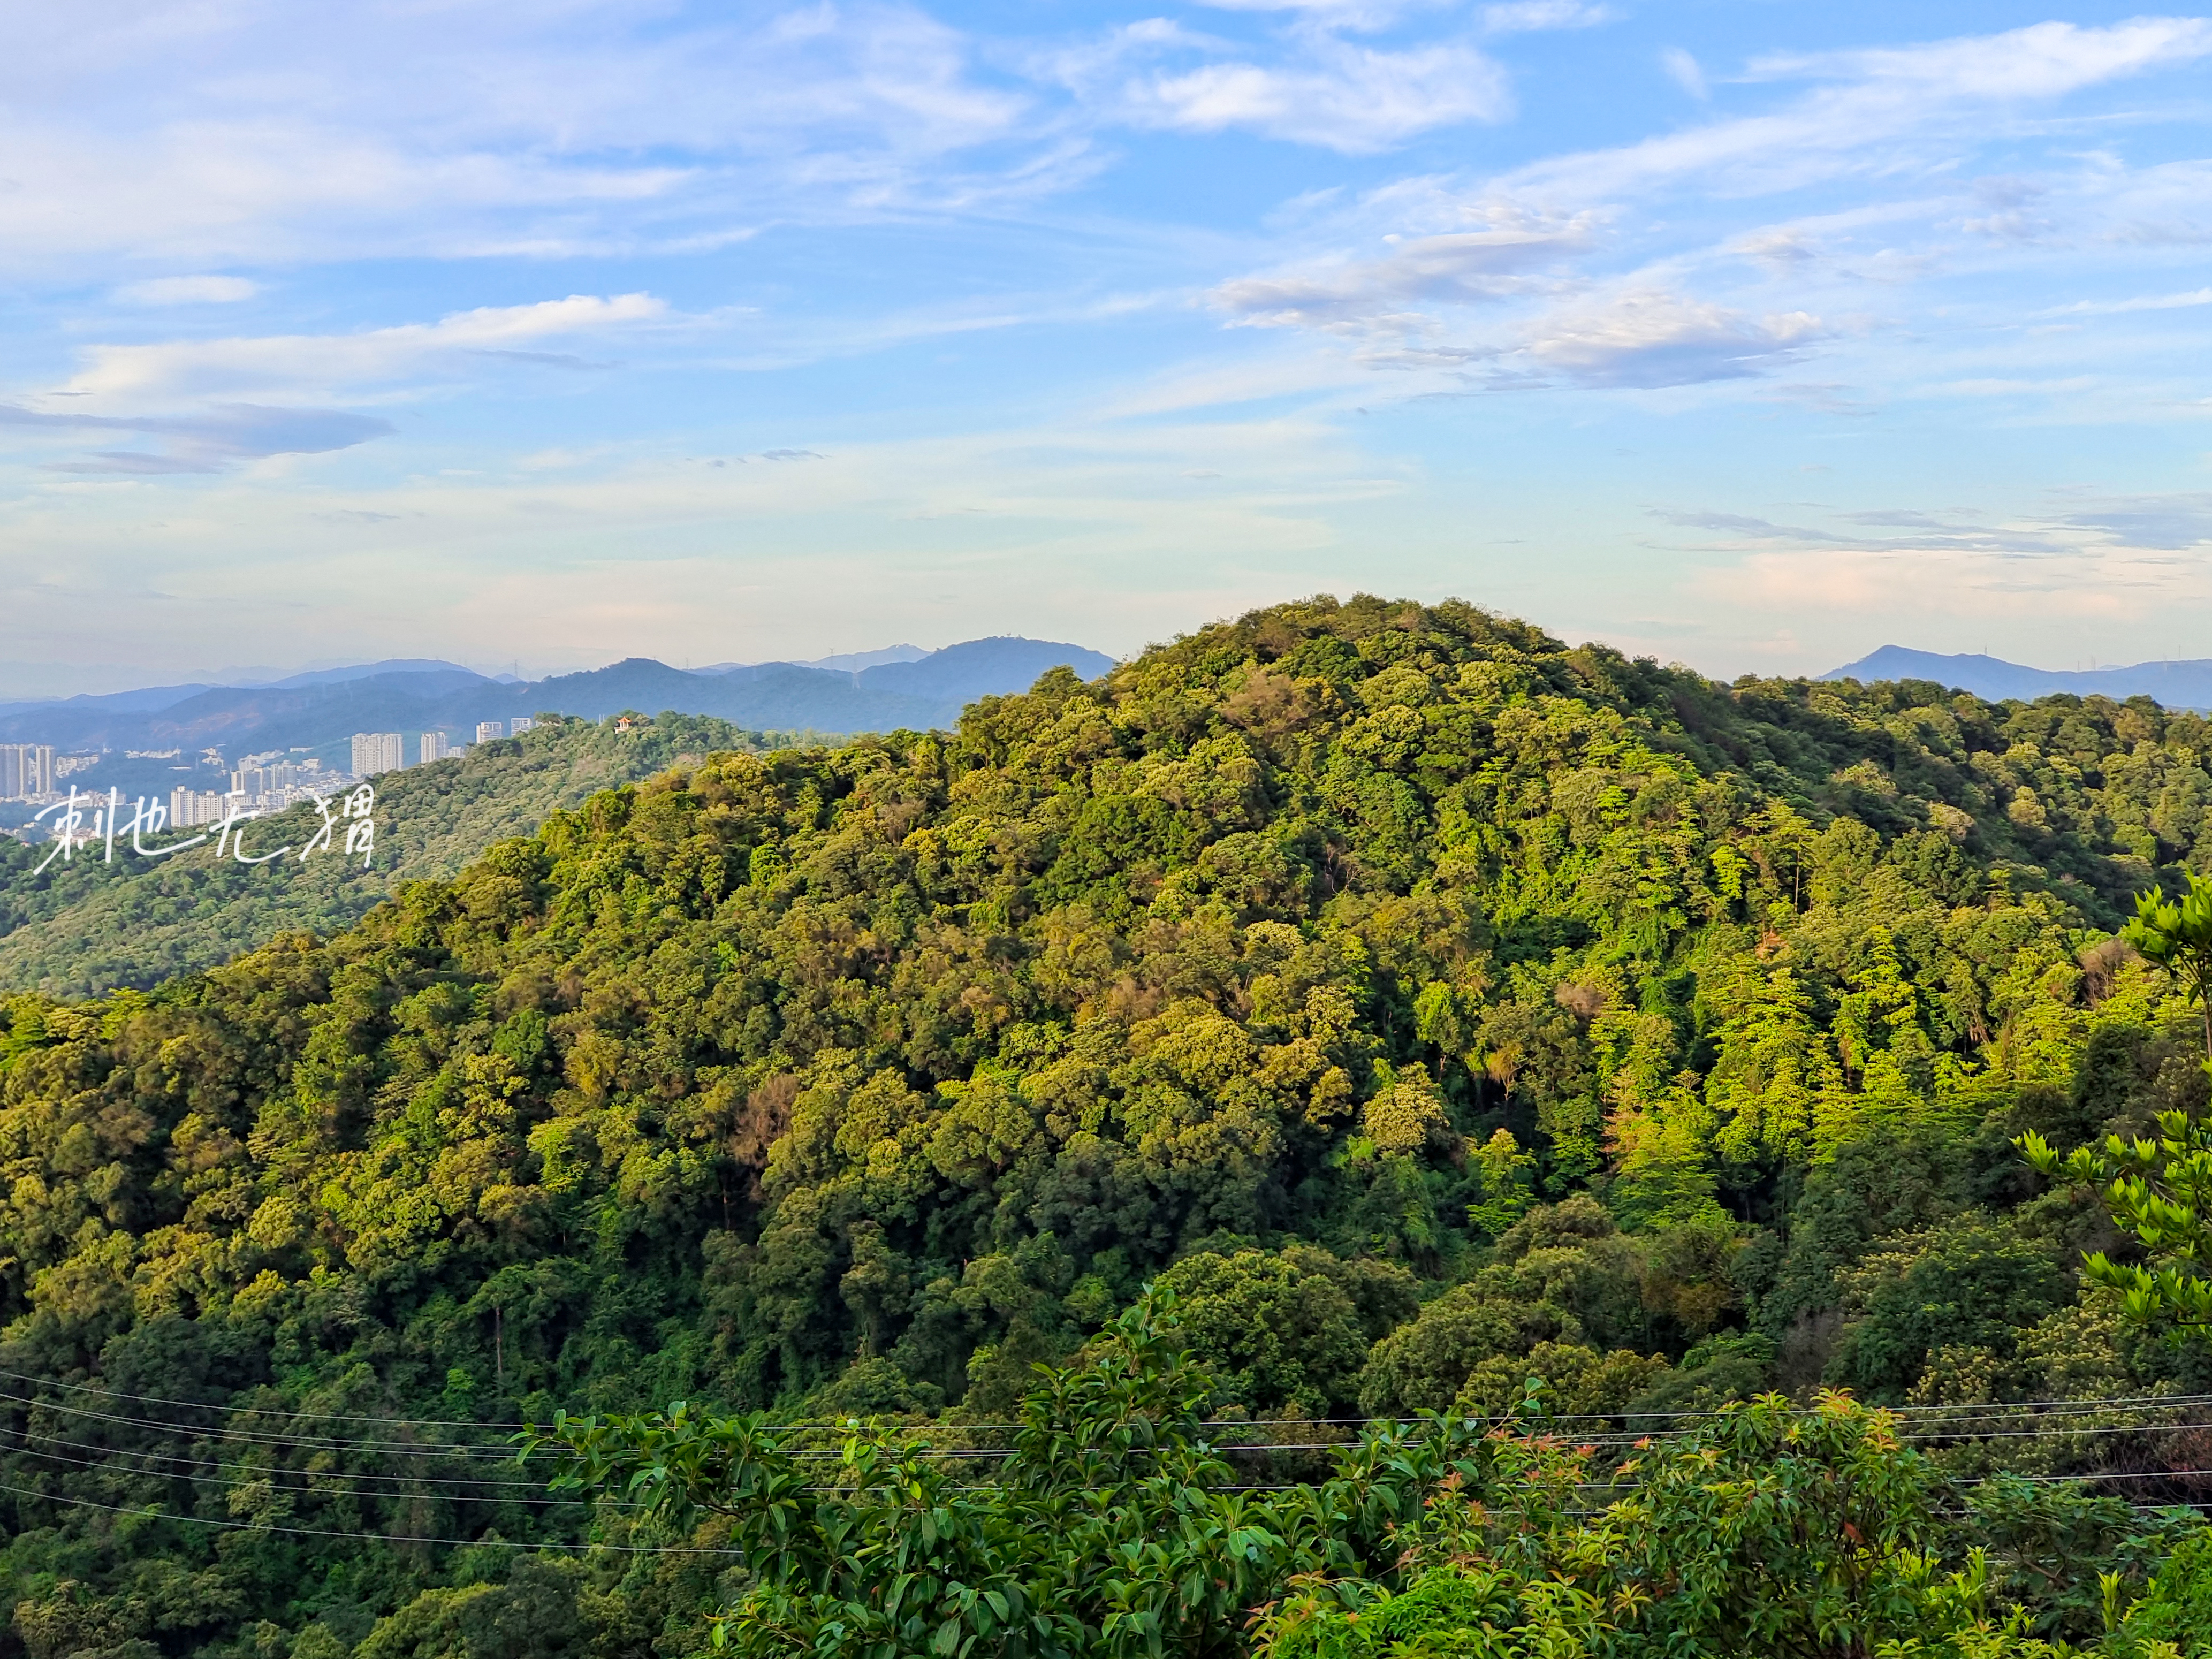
(94, 925)
(1427, 1004)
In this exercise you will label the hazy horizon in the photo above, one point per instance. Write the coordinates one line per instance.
(118, 678)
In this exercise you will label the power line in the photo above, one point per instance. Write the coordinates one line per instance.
(2105, 1403)
(277, 1468)
(339, 1490)
(1968, 1412)
(838, 1425)
(151, 1514)
(388, 1448)
(299, 1492)
(361, 1537)
(1968, 1424)
(204, 1405)
(1617, 1439)
(2059, 1434)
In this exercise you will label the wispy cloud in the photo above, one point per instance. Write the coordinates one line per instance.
(2111, 561)
(2171, 522)
(1947, 587)
(1685, 72)
(1530, 16)
(1536, 290)
(1923, 533)
(1651, 338)
(215, 132)
(1352, 99)
(1870, 99)
(1317, 88)
(1456, 267)
(2198, 296)
(1343, 14)
(211, 441)
(188, 291)
(192, 369)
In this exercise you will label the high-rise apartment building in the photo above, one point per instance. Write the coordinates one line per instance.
(520, 724)
(374, 752)
(435, 746)
(27, 769)
(273, 785)
(190, 808)
(490, 731)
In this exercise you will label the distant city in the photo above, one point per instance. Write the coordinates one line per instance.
(33, 775)
(209, 751)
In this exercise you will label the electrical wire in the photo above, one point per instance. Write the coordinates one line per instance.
(204, 1405)
(389, 1447)
(273, 1469)
(361, 1537)
(2102, 1475)
(484, 1454)
(299, 1492)
(1998, 1408)
(1966, 1424)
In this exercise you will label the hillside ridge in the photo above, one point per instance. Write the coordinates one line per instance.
(1425, 1004)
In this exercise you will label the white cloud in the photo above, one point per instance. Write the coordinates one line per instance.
(1522, 292)
(1881, 96)
(192, 369)
(223, 130)
(1310, 85)
(188, 291)
(1347, 98)
(1455, 267)
(208, 443)
(2126, 563)
(2044, 60)
(1649, 337)
(1354, 14)
(1530, 16)
(2171, 523)
(1779, 247)
(1969, 586)
(1685, 73)
(1909, 531)
(2109, 559)
(2200, 296)
(1240, 379)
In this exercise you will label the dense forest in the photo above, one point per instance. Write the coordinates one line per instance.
(94, 925)
(1381, 1064)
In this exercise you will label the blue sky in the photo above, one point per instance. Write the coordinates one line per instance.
(1744, 333)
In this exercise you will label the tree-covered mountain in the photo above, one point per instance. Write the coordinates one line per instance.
(1426, 1005)
(96, 924)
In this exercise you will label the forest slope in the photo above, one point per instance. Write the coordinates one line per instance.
(1427, 1004)
(91, 925)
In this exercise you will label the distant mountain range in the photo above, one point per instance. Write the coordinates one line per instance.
(2177, 685)
(153, 698)
(867, 692)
